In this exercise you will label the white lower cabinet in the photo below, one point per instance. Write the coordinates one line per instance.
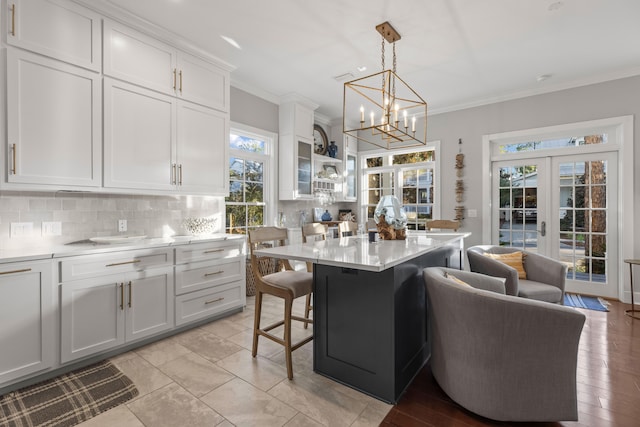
(108, 310)
(210, 279)
(27, 319)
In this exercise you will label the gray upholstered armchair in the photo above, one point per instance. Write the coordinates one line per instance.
(500, 356)
(545, 276)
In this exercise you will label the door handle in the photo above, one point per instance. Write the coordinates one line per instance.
(13, 20)
(130, 294)
(121, 296)
(543, 229)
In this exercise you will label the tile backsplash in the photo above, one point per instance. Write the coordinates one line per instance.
(85, 215)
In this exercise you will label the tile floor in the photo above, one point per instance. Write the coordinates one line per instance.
(207, 377)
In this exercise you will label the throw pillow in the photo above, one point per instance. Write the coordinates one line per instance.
(455, 279)
(513, 259)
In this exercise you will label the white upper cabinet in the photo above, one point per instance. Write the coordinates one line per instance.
(202, 82)
(172, 146)
(53, 122)
(139, 137)
(202, 145)
(60, 29)
(295, 150)
(136, 58)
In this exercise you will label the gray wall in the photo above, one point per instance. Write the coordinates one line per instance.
(253, 111)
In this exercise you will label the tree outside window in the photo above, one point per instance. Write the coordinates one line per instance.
(245, 205)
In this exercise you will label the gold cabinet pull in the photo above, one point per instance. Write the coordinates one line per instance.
(213, 251)
(180, 174)
(135, 261)
(13, 20)
(130, 294)
(214, 273)
(174, 78)
(13, 152)
(180, 82)
(24, 270)
(214, 300)
(121, 296)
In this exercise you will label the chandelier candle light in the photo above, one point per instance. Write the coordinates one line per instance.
(393, 106)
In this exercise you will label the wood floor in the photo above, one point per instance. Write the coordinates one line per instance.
(608, 380)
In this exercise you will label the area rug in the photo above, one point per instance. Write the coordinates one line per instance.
(581, 301)
(69, 399)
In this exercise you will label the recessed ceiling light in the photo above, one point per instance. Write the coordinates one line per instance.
(231, 41)
(362, 68)
(543, 77)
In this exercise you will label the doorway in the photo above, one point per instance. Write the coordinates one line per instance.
(561, 192)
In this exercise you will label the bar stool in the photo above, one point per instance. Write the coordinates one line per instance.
(310, 232)
(632, 311)
(287, 284)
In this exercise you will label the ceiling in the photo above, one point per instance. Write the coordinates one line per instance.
(454, 53)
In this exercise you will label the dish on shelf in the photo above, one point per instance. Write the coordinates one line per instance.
(117, 239)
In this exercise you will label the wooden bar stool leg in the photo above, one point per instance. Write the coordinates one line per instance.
(256, 322)
(288, 305)
(307, 309)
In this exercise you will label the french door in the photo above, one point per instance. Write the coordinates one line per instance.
(564, 207)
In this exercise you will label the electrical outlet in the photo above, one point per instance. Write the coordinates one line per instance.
(51, 228)
(122, 225)
(21, 229)
(472, 213)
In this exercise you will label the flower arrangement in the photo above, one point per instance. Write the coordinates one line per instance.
(199, 226)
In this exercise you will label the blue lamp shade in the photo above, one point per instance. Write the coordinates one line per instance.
(393, 212)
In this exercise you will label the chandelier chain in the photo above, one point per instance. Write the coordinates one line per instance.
(383, 80)
(393, 87)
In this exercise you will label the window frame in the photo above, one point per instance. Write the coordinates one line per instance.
(398, 169)
(269, 167)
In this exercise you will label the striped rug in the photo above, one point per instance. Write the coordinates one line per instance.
(69, 399)
(581, 301)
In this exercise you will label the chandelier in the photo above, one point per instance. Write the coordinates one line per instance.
(382, 109)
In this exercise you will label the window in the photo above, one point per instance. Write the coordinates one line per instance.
(251, 184)
(410, 175)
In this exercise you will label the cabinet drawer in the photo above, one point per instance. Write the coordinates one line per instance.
(200, 304)
(86, 266)
(209, 251)
(205, 274)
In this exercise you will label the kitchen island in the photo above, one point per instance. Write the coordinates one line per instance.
(370, 314)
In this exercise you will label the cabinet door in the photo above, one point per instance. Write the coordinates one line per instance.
(149, 303)
(350, 178)
(136, 58)
(27, 318)
(304, 169)
(139, 138)
(53, 119)
(303, 121)
(57, 28)
(202, 82)
(91, 317)
(203, 136)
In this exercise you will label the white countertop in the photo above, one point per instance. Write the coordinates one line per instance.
(356, 252)
(86, 247)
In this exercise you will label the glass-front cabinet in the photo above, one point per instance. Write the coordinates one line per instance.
(350, 186)
(304, 169)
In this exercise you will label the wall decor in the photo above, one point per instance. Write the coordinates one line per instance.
(459, 182)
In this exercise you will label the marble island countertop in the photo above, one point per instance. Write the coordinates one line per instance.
(85, 247)
(357, 252)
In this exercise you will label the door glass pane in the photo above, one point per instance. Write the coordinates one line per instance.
(583, 220)
(518, 191)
